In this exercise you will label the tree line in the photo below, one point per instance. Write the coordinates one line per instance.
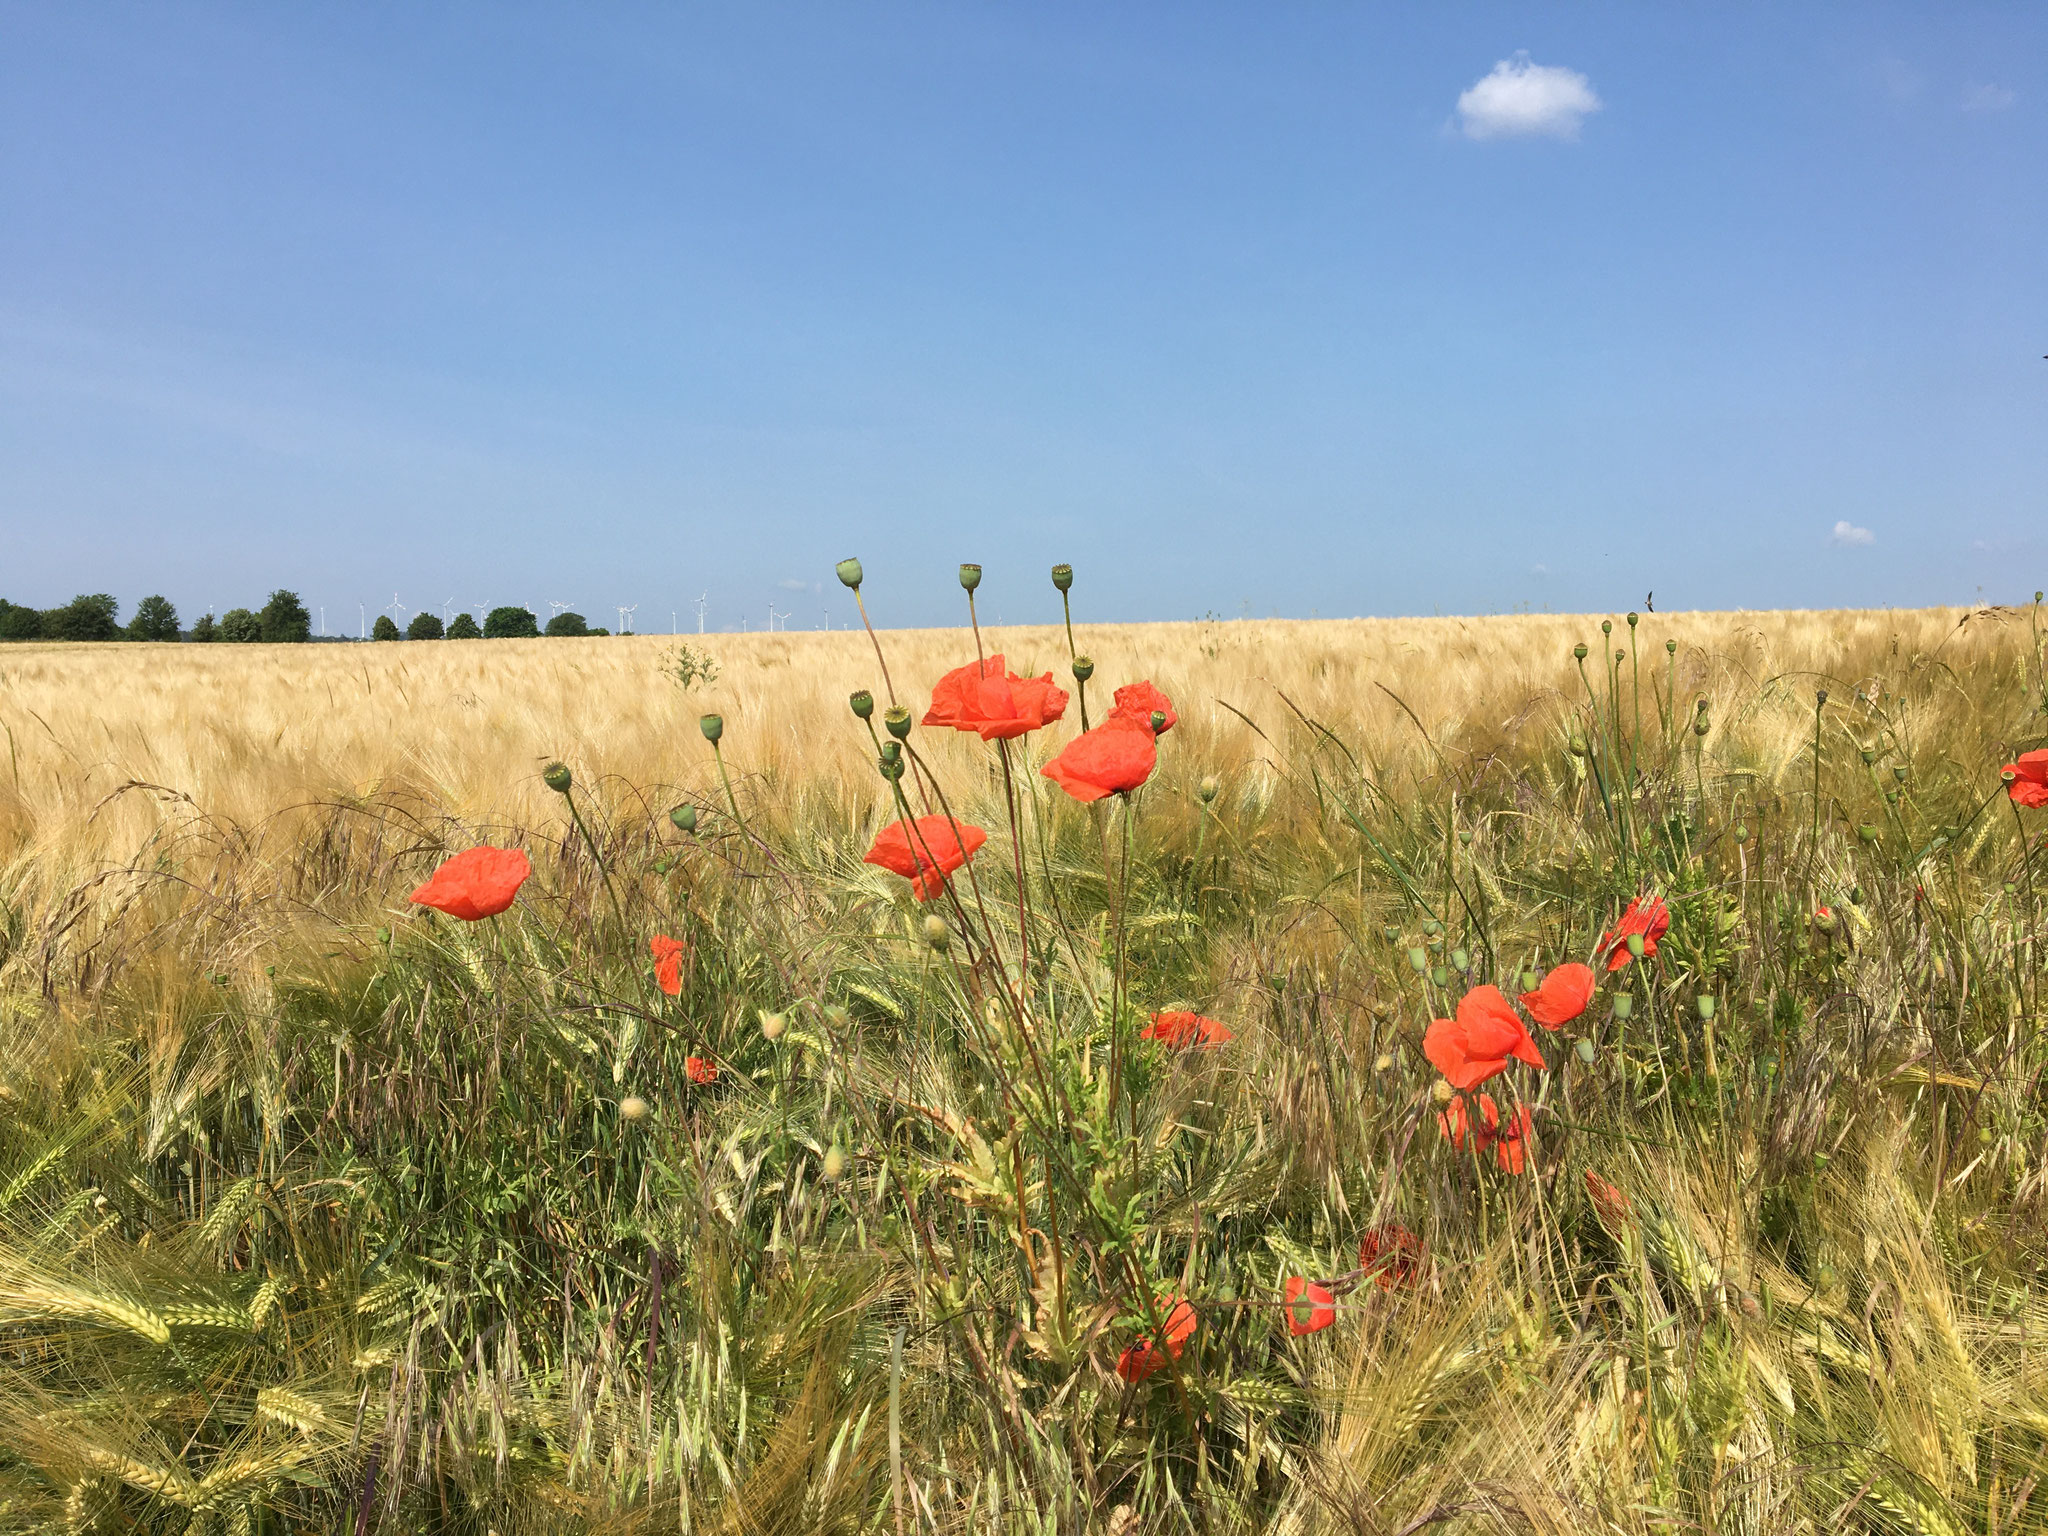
(281, 620)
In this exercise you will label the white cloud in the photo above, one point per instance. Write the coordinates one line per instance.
(791, 584)
(1989, 98)
(1848, 536)
(1522, 98)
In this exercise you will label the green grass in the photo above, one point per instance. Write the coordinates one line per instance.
(318, 1214)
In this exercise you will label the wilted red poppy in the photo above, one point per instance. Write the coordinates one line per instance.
(668, 963)
(1310, 1307)
(1183, 1029)
(928, 857)
(1563, 995)
(699, 1071)
(1116, 756)
(2026, 781)
(1391, 1254)
(1140, 702)
(1479, 1042)
(477, 883)
(1508, 1142)
(1646, 915)
(1145, 1357)
(1615, 1209)
(983, 698)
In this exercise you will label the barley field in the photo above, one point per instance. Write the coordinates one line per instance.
(1175, 1166)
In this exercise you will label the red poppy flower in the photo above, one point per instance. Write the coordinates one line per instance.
(1116, 756)
(668, 963)
(1479, 1042)
(1563, 995)
(983, 698)
(700, 1071)
(1391, 1254)
(1184, 1029)
(1145, 1357)
(1646, 915)
(478, 883)
(2026, 781)
(1507, 1142)
(927, 858)
(1140, 702)
(1310, 1307)
(1615, 1209)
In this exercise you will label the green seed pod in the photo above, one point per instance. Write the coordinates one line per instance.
(892, 751)
(849, 573)
(1741, 833)
(1440, 976)
(970, 577)
(936, 933)
(1607, 626)
(1084, 668)
(1063, 576)
(1624, 1005)
(1899, 772)
(1432, 926)
(1158, 721)
(1465, 838)
(1621, 655)
(862, 704)
(1461, 960)
(662, 866)
(1530, 981)
(1867, 832)
(1867, 755)
(383, 935)
(1585, 1051)
(1670, 647)
(896, 721)
(1635, 945)
(556, 777)
(684, 817)
(713, 727)
(1705, 1006)
(1632, 621)
(1579, 651)
(1208, 789)
(892, 768)
(1418, 961)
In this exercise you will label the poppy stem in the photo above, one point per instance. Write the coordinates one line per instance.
(882, 660)
(975, 624)
(597, 855)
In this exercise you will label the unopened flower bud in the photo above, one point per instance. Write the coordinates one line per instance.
(1741, 833)
(1063, 576)
(1529, 981)
(1867, 832)
(1699, 705)
(1578, 745)
(862, 703)
(684, 817)
(1585, 1051)
(1084, 668)
(383, 935)
(936, 933)
(896, 720)
(1418, 961)
(1208, 788)
(1700, 726)
(1440, 976)
(1624, 1005)
(633, 1107)
(1461, 959)
(970, 577)
(1635, 945)
(556, 777)
(1465, 837)
(1824, 919)
(1820, 696)
(1432, 926)
(713, 727)
(1856, 895)
(849, 573)
(835, 1015)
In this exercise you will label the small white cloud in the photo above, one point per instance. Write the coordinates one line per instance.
(1989, 98)
(791, 584)
(1523, 98)
(1539, 569)
(1848, 536)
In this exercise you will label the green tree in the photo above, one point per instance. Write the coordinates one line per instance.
(464, 627)
(384, 629)
(18, 622)
(568, 624)
(241, 626)
(204, 630)
(89, 616)
(424, 626)
(155, 619)
(284, 618)
(511, 624)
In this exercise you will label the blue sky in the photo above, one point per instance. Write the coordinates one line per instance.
(1237, 308)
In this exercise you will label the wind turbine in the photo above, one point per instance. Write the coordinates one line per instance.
(362, 622)
(701, 601)
(773, 616)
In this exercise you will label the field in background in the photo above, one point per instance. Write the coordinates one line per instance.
(321, 1213)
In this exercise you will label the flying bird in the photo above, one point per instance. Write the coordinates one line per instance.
(1649, 603)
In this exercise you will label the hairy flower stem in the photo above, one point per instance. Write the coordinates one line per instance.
(1017, 853)
(597, 855)
(880, 659)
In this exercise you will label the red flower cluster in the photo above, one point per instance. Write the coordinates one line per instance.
(475, 884)
(1114, 758)
(700, 1071)
(1185, 1029)
(1310, 1306)
(1391, 1254)
(995, 704)
(668, 963)
(2026, 781)
(1507, 1141)
(1149, 1354)
(1646, 915)
(928, 857)
(1479, 1043)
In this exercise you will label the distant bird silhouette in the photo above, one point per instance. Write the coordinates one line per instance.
(1649, 606)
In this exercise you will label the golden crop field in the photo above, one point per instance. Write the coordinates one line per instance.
(1440, 1084)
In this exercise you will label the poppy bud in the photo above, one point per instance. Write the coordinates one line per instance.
(892, 751)
(896, 720)
(1440, 976)
(849, 573)
(1856, 895)
(1820, 696)
(1670, 647)
(556, 777)
(1084, 669)
(1624, 1005)
(862, 704)
(1465, 838)
(1705, 1006)
(936, 933)
(1063, 576)
(713, 727)
(663, 866)
(383, 935)
(1158, 721)
(1632, 621)
(1867, 832)
(1586, 1052)
(1529, 981)
(1208, 788)
(772, 1025)
(1578, 745)
(633, 1107)
(833, 1165)
(1441, 1091)
(1461, 960)
(970, 577)
(1741, 833)
(1635, 945)
(684, 817)
(1700, 727)
(1824, 920)
(1579, 651)
(1432, 926)
(1417, 960)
